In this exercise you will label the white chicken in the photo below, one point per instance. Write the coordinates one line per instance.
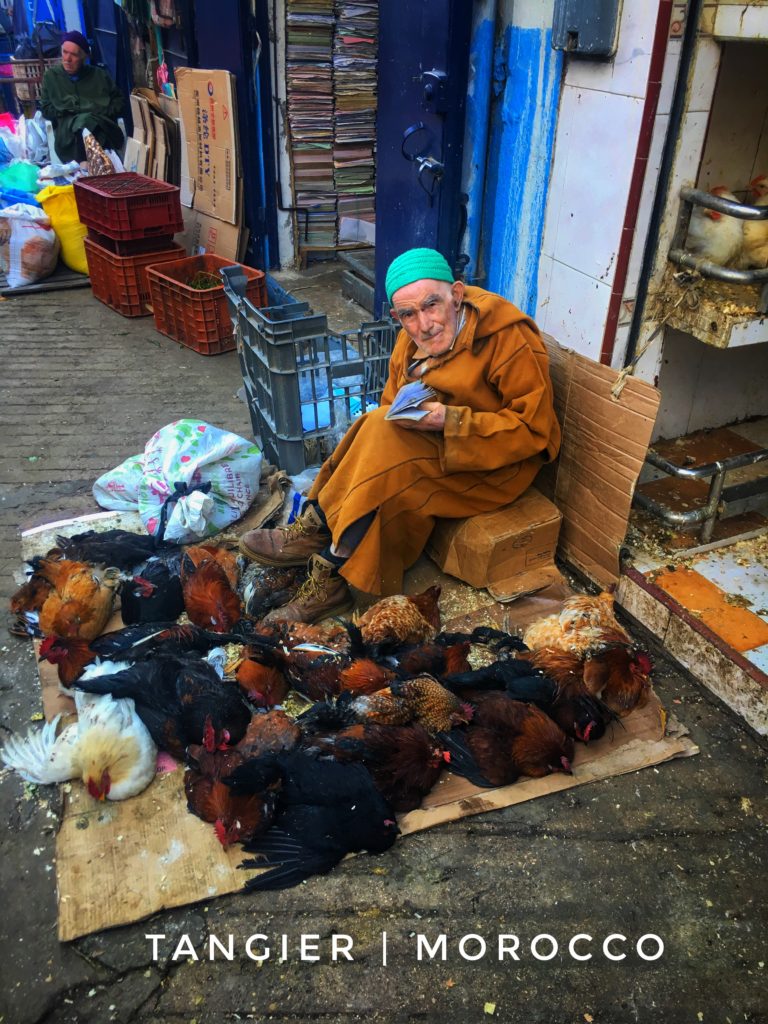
(715, 236)
(108, 747)
(755, 253)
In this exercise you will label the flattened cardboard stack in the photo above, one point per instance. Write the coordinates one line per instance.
(154, 148)
(211, 172)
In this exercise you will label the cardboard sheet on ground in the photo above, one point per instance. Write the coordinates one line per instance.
(150, 854)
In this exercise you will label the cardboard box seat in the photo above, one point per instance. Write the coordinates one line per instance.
(510, 551)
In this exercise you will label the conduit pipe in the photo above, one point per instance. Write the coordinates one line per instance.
(652, 91)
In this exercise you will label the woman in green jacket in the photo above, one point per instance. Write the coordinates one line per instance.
(76, 95)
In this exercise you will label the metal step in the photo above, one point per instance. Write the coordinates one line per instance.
(362, 263)
(353, 287)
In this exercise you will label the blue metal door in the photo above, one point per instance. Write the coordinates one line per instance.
(423, 61)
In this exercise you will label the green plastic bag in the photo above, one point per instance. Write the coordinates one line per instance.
(20, 175)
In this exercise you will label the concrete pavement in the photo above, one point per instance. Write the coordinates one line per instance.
(678, 851)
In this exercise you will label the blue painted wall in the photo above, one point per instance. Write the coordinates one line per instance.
(527, 74)
(476, 135)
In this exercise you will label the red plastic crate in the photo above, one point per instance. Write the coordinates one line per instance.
(134, 247)
(120, 282)
(129, 206)
(199, 318)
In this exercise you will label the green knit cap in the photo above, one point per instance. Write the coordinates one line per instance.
(416, 265)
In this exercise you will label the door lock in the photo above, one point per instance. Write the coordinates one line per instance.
(429, 173)
(435, 84)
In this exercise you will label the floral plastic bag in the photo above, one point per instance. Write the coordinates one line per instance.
(192, 481)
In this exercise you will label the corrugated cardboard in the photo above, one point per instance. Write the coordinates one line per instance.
(604, 446)
(204, 234)
(136, 156)
(510, 551)
(209, 129)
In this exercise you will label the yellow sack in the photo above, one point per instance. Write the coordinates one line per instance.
(60, 206)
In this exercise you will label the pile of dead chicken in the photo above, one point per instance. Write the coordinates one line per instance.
(395, 701)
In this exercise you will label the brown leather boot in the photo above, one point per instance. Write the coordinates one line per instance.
(322, 594)
(287, 545)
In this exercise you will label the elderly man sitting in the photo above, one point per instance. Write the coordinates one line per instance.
(76, 95)
(375, 500)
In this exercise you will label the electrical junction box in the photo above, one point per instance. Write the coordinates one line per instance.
(586, 28)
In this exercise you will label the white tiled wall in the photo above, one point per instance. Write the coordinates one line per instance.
(627, 73)
(577, 310)
(702, 386)
(597, 130)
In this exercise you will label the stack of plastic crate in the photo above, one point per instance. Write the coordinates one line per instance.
(131, 221)
(305, 385)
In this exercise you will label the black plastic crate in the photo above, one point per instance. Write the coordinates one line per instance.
(305, 385)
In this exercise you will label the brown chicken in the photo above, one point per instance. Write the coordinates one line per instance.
(80, 603)
(237, 816)
(30, 596)
(506, 739)
(404, 761)
(209, 599)
(422, 701)
(263, 685)
(434, 659)
(578, 627)
(615, 671)
(200, 553)
(365, 676)
(69, 655)
(399, 620)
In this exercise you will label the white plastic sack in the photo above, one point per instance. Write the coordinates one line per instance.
(185, 455)
(29, 248)
(34, 138)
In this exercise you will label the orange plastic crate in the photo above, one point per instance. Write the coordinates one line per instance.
(199, 318)
(128, 206)
(120, 282)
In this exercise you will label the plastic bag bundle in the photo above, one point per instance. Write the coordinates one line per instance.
(191, 481)
(11, 146)
(29, 248)
(60, 174)
(34, 138)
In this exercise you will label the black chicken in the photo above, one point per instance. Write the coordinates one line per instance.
(147, 640)
(581, 716)
(325, 811)
(117, 548)
(153, 596)
(180, 700)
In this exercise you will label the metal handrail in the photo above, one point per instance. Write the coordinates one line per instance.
(721, 465)
(707, 514)
(742, 211)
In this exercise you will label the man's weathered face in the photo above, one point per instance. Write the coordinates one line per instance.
(72, 57)
(429, 312)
